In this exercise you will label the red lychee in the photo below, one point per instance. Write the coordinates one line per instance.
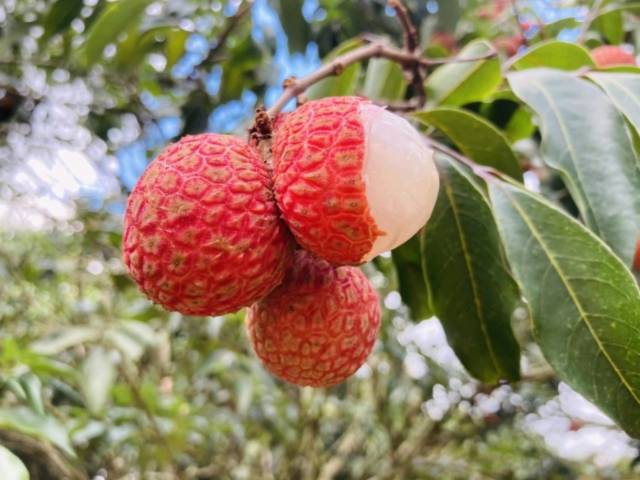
(609, 55)
(202, 234)
(352, 180)
(636, 259)
(318, 327)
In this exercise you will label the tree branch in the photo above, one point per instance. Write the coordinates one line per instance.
(296, 86)
(411, 45)
(231, 25)
(591, 16)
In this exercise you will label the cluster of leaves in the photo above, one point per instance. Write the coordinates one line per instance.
(95, 380)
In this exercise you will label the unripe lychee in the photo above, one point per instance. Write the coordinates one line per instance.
(202, 234)
(609, 55)
(352, 179)
(318, 327)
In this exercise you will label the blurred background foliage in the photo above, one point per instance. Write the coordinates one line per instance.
(96, 382)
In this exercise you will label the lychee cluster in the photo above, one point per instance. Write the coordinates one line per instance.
(212, 226)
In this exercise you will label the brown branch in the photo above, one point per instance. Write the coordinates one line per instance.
(410, 33)
(591, 16)
(411, 44)
(231, 25)
(296, 86)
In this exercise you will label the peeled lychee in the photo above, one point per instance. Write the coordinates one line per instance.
(352, 179)
(318, 327)
(609, 55)
(202, 233)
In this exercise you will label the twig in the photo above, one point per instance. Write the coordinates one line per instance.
(485, 172)
(231, 25)
(295, 87)
(516, 16)
(411, 45)
(591, 16)
(410, 32)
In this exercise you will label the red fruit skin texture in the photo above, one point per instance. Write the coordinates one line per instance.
(319, 326)
(608, 55)
(202, 234)
(318, 159)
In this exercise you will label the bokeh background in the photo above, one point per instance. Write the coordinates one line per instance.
(96, 382)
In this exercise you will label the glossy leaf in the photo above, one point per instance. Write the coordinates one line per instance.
(66, 338)
(116, 18)
(11, 466)
(384, 80)
(472, 292)
(477, 138)
(411, 284)
(584, 303)
(624, 90)
(98, 375)
(25, 420)
(460, 83)
(554, 54)
(296, 27)
(32, 387)
(591, 149)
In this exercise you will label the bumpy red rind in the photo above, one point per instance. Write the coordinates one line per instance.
(319, 326)
(318, 159)
(202, 233)
(609, 55)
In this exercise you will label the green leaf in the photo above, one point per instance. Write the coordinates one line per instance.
(33, 391)
(116, 18)
(296, 27)
(477, 138)
(472, 292)
(592, 150)
(624, 91)
(174, 45)
(554, 54)
(611, 25)
(552, 29)
(461, 83)
(584, 303)
(98, 375)
(66, 338)
(384, 80)
(25, 420)
(11, 466)
(60, 16)
(411, 284)
(344, 84)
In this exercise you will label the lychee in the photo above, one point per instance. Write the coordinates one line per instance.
(318, 327)
(636, 259)
(202, 233)
(352, 179)
(609, 55)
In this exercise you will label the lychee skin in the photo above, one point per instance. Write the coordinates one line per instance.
(609, 55)
(202, 234)
(352, 180)
(318, 327)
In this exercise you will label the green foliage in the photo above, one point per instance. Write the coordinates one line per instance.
(584, 302)
(94, 378)
(586, 149)
(477, 138)
(471, 289)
